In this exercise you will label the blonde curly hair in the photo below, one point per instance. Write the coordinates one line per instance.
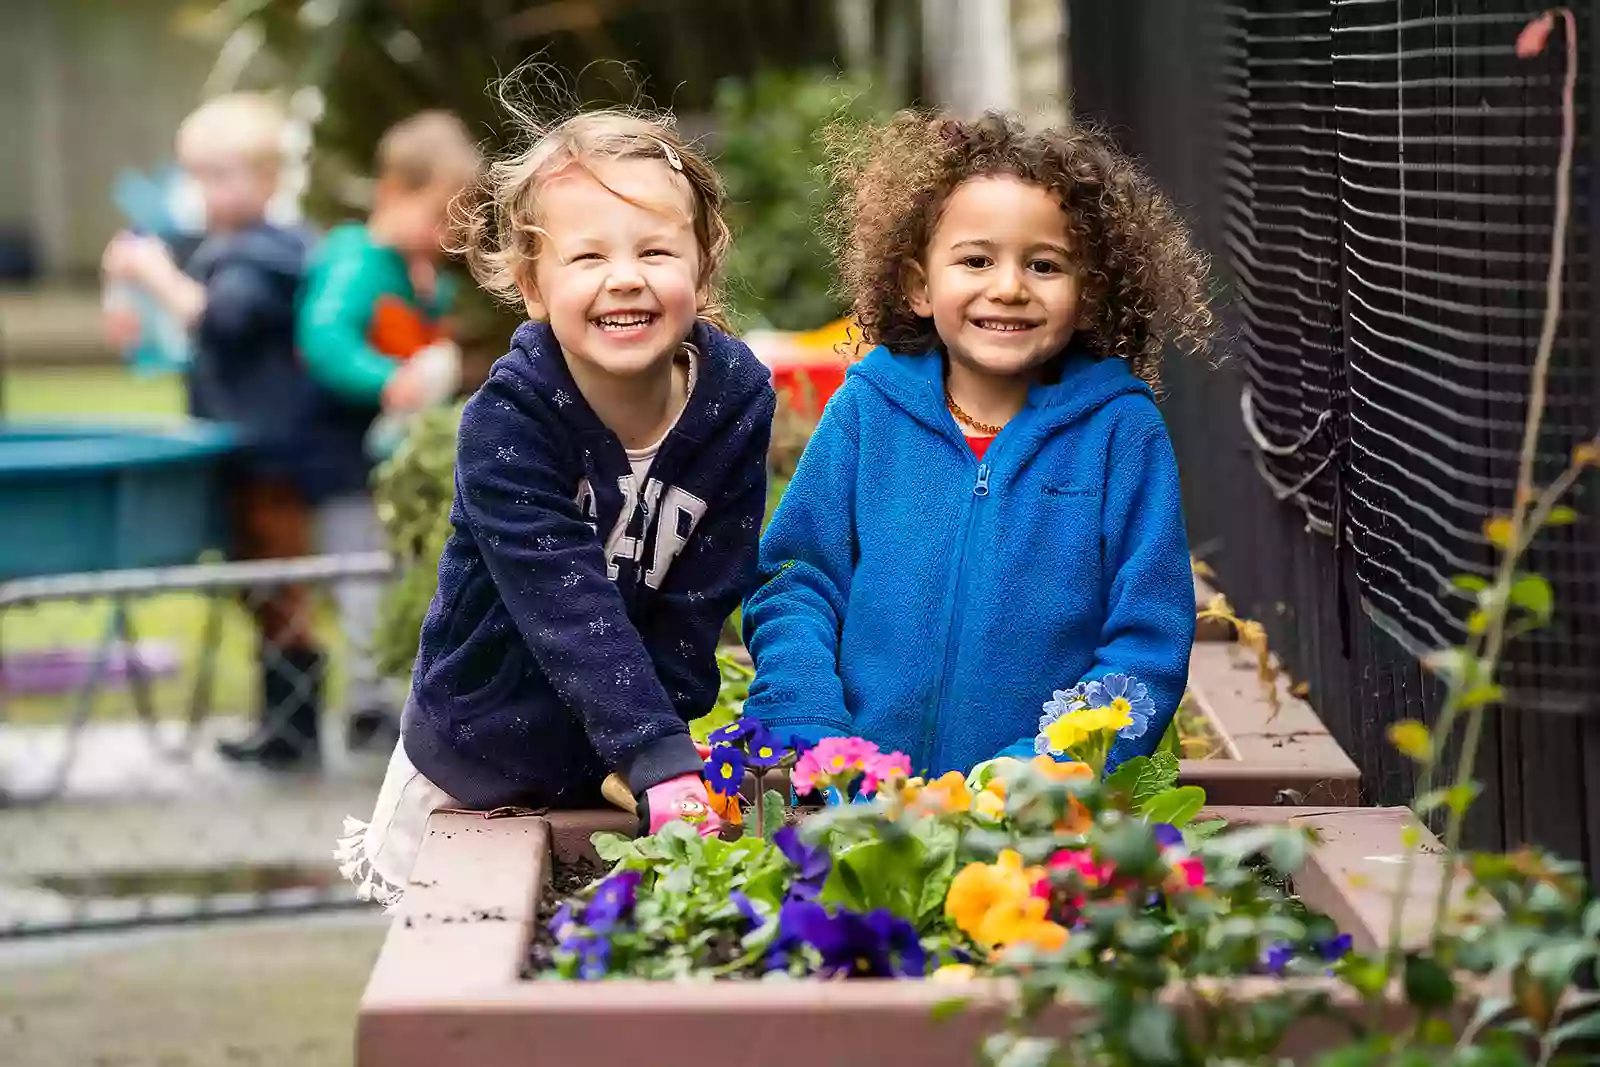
(498, 222)
(1143, 282)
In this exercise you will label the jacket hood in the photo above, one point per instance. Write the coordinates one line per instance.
(729, 377)
(915, 383)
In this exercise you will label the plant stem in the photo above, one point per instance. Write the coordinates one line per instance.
(1522, 529)
(760, 807)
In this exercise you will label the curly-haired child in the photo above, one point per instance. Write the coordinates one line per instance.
(989, 508)
(610, 484)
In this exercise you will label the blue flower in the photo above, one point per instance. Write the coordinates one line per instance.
(1167, 835)
(746, 909)
(1124, 687)
(725, 770)
(800, 745)
(1277, 957)
(762, 748)
(1061, 702)
(562, 921)
(811, 864)
(733, 733)
(612, 901)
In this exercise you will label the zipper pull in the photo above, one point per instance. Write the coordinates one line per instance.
(982, 488)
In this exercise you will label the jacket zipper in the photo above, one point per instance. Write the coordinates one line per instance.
(932, 749)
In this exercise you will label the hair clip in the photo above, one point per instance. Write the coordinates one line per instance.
(672, 157)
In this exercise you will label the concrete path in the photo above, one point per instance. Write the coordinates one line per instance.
(134, 813)
(278, 992)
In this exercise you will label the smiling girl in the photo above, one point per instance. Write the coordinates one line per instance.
(610, 484)
(989, 509)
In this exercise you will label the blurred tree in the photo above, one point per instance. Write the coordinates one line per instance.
(780, 271)
(360, 65)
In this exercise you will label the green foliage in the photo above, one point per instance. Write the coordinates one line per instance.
(413, 490)
(780, 270)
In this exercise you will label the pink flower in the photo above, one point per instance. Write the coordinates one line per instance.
(833, 761)
(1082, 861)
(896, 765)
(1192, 872)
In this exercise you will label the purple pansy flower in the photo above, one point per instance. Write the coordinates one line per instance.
(878, 944)
(1167, 835)
(1277, 957)
(811, 864)
(746, 908)
(612, 901)
(1335, 948)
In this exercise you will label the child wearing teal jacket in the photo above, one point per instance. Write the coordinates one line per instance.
(371, 325)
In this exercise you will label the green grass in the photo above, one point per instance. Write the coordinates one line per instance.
(113, 395)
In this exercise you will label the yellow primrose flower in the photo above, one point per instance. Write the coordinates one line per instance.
(991, 802)
(995, 904)
(955, 972)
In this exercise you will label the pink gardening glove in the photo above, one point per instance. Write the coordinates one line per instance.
(683, 798)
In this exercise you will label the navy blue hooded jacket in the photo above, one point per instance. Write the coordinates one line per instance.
(246, 371)
(575, 628)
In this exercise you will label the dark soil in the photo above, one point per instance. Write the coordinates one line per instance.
(566, 880)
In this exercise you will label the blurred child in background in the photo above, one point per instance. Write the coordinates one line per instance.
(373, 335)
(236, 296)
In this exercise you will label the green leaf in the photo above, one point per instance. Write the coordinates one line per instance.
(948, 1008)
(1366, 976)
(1561, 515)
(1428, 985)
(611, 847)
(1176, 806)
(772, 811)
(1591, 920)
(1470, 583)
(1582, 1028)
(1482, 696)
(1152, 1031)
(1532, 593)
(1143, 777)
(1412, 739)
(1554, 964)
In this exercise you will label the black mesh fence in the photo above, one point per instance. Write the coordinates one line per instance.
(1447, 149)
(1375, 183)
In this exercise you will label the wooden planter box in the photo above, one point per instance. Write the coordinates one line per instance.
(446, 989)
(1280, 755)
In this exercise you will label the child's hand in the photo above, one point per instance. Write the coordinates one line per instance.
(120, 326)
(428, 378)
(133, 258)
(683, 798)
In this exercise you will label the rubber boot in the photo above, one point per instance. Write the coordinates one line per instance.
(291, 712)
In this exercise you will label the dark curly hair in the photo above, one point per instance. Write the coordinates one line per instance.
(1143, 283)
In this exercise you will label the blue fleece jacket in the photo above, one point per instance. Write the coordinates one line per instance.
(576, 623)
(932, 603)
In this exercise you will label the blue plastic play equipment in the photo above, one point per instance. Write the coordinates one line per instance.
(75, 499)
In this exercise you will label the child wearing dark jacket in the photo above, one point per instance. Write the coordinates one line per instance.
(235, 294)
(610, 484)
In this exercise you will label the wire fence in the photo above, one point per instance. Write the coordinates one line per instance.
(1375, 183)
(117, 807)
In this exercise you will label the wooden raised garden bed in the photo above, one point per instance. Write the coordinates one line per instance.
(1269, 755)
(447, 988)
